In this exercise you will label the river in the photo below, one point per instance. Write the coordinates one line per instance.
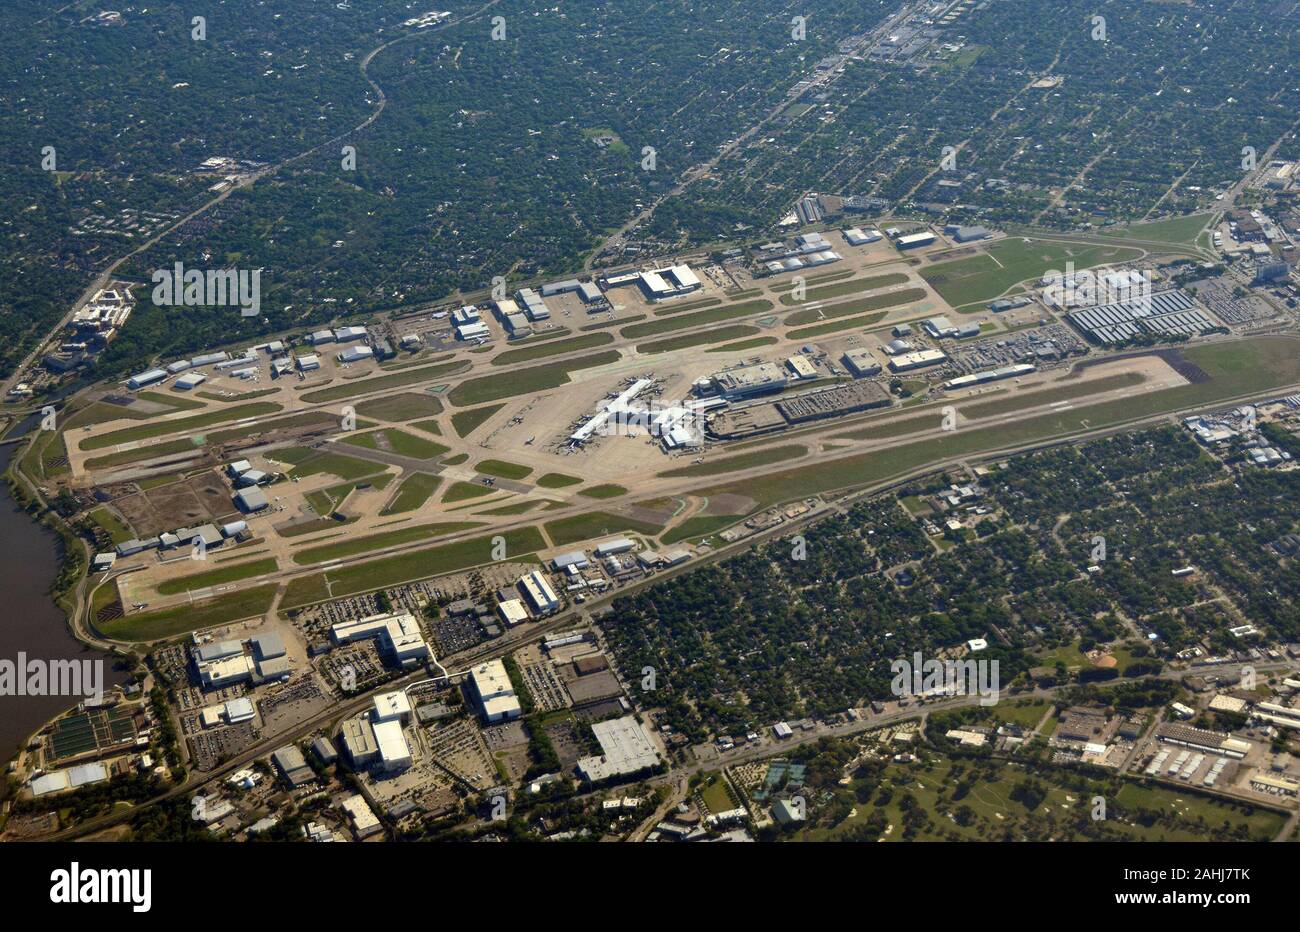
(30, 558)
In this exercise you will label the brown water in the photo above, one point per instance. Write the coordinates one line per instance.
(30, 558)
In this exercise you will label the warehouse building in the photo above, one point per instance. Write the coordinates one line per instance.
(915, 240)
(906, 362)
(993, 375)
(150, 377)
(190, 381)
(251, 499)
(861, 364)
(398, 635)
(308, 363)
(491, 687)
(537, 590)
(625, 749)
(857, 237)
(355, 354)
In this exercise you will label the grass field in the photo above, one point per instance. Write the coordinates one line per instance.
(358, 546)
(412, 493)
(461, 491)
(557, 480)
(840, 289)
(743, 345)
(521, 544)
(382, 382)
(224, 574)
(170, 622)
(1012, 260)
(608, 490)
(397, 441)
(698, 526)
(326, 501)
(466, 422)
(117, 529)
(835, 326)
(431, 426)
(178, 425)
(407, 406)
(760, 457)
(1180, 231)
(596, 524)
(671, 344)
(524, 381)
(528, 353)
(699, 319)
(308, 462)
(846, 308)
(503, 470)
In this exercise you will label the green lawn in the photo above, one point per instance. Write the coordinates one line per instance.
(525, 381)
(394, 440)
(698, 319)
(521, 545)
(718, 335)
(117, 529)
(412, 493)
(357, 546)
(556, 480)
(743, 345)
(1010, 261)
(847, 308)
(835, 326)
(308, 462)
(840, 289)
(326, 501)
(460, 491)
(503, 470)
(216, 577)
(379, 383)
(609, 490)
(466, 422)
(170, 622)
(1180, 231)
(595, 524)
(524, 354)
(760, 457)
(407, 406)
(179, 425)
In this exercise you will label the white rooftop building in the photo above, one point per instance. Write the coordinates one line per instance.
(625, 749)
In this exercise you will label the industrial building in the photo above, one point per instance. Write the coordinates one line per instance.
(671, 282)
(398, 634)
(906, 362)
(355, 354)
(189, 381)
(292, 766)
(308, 363)
(992, 375)
(625, 749)
(964, 234)
(860, 363)
(491, 686)
(537, 590)
(857, 237)
(915, 240)
(251, 499)
(150, 377)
